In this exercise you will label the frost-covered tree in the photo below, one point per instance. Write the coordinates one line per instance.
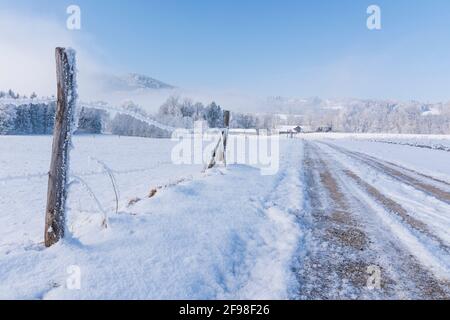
(171, 108)
(7, 119)
(11, 94)
(214, 115)
(90, 121)
(128, 125)
(23, 123)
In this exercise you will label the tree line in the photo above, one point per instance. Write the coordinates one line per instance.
(38, 118)
(360, 117)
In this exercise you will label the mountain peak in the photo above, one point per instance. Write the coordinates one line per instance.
(140, 81)
(133, 81)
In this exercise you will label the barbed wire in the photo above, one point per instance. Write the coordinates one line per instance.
(41, 175)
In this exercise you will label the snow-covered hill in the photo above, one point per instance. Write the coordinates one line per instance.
(133, 81)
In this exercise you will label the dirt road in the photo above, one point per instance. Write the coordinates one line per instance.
(363, 242)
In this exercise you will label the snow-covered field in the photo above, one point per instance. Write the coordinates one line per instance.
(338, 208)
(428, 141)
(215, 235)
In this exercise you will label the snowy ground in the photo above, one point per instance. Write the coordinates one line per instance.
(336, 209)
(430, 141)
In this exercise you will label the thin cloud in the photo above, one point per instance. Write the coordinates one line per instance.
(27, 60)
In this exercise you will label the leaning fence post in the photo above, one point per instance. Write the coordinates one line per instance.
(222, 142)
(59, 167)
(226, 123)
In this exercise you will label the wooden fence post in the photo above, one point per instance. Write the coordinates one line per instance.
(59, 167)
(222, 141)
(226, 123)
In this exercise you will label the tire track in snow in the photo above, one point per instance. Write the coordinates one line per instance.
(430, 270)
(338, 248)
(418, 224)
(401, 174)
(396, 208)
(403, 276)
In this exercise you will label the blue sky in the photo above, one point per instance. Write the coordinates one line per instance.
(268, 47)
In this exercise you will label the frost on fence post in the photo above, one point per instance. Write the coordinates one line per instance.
(226, 122)
(64, 126)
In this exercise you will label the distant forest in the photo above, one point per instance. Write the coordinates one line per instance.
(38, 118)
(360, 117)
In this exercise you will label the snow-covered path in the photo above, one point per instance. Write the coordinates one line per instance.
(357, 224)
(334, 215)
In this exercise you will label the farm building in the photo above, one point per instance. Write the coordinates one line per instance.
(289, 129)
